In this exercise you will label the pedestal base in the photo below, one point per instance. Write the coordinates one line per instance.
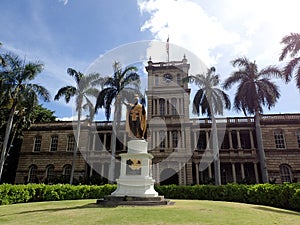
(112, 201)
(135, 187)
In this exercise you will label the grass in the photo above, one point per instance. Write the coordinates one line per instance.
(182, 212)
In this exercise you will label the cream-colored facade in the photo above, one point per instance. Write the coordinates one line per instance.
(180, 145)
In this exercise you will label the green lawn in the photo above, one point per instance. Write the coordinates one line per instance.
(87, 212)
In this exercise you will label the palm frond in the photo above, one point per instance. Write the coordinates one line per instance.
(67, 91)
(198, 99)
(75, 74)
(235, 77)
(270, 71)
(32, 69)
(41, 91)
(292, 45)
(288, 69)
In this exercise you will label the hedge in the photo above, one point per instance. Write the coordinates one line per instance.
(285, 196)
(10, 194)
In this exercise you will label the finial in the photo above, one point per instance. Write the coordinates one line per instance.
(184, 60)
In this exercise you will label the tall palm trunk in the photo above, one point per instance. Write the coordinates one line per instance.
(115, 129)
(215, 146)
(78, 144)
(260, 147)
(6, 138)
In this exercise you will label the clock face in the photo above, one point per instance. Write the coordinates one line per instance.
(168, 77)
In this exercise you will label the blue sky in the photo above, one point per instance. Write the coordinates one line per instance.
(75, 33)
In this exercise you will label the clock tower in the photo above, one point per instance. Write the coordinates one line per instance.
(168, 120)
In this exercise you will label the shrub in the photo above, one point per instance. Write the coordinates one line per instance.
(10, 194)
(283, 196)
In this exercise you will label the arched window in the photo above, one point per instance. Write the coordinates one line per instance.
(67, 172)
(32, 176)
(162, 106)
(37, 143)
(279, 139)
(50, 173)
(285, 173)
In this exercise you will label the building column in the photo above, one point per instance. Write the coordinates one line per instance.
(124, 141)
(238, 139)
(209, 171)
(207, 140)
(157, 173)
(233, 172)
(104, 141)
(251, 139)
(197, 173)
(242, 171)
(179, 173)
(256, 173)
(170, 139)
(94, 142)
(91, 169)
(230, 139)
(184, 174)
(195, 139)
(102, 170)
(182, 144)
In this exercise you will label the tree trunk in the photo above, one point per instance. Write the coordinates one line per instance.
(215, 146)
(6, 138)
(115, 129)
(260, 147)
(77, 145)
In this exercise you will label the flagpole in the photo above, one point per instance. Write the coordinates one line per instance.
(168, 49)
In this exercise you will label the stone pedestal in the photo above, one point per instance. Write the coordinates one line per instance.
(136, 172)
(135, 185)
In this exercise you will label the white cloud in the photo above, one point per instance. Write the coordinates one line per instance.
(64, 1)
(219, 31)
(187, 25)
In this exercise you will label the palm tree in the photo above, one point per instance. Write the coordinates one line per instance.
(85, 87)
(17, 88)
(255, 89)
(292, 47)
(211, 100)
(122, 85)
(1, 58)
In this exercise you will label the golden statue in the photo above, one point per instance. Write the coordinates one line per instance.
(136, 119)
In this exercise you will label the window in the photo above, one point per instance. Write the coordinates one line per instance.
(162, 143)
(71, 143)
(32, 176)
(279, 139)
(174, 106)
(67, 172)
(50, 173)
(298, 138)
(37, 143)
(175, 139)
(225, 142)
(285, 173)
(201, 140)
(162, 107)
(54, 142)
